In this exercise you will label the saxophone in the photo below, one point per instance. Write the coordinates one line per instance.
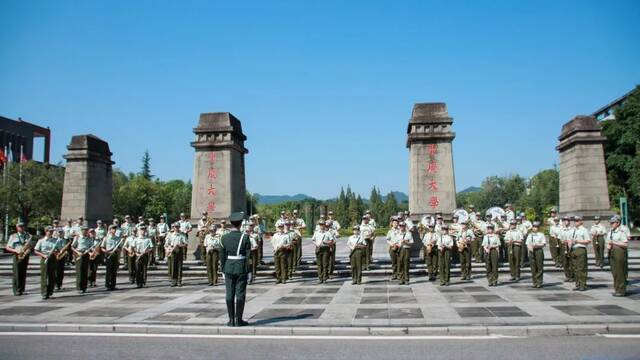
(26, 249)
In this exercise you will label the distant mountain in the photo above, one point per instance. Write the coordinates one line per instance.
(470, 189)
(277, 199)
(399, 195)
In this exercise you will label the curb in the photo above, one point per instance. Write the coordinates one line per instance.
(462, 331)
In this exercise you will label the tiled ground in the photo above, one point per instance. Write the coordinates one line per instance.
(300, 302)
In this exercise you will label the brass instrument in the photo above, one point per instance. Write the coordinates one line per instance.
(64, 251)
(115, 249)
(93, 254)
(25, 250)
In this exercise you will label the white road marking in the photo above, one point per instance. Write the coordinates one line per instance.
(621, 336)
(259, 337)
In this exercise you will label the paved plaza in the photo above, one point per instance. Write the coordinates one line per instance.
(301, 303)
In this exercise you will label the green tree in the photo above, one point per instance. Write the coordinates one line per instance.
(145, 170)
(35, 198)
(622, 153)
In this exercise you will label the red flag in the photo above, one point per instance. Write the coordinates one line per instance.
(23, 158)
(3, 158)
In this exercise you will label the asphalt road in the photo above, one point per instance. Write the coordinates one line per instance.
(107, 346)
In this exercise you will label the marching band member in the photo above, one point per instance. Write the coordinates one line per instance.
(566, 233)
(368, 231)
(430, 252)
(20, 246)
(357, 245)
(323, 240)
(212, 247)
(514, 241)
(617, 245)
(111, 249)
(465, 239)
(82, 246)
(185, 228)
(579, 241)
(48, 249)
(597, 232)
(394, 247)
(281, 243)
(445, 246)
(296, 245)
(175, 245)
(536, 242)
(162, 231)
(405, 239)
(555, 242)
(490, 244)
(143, 247)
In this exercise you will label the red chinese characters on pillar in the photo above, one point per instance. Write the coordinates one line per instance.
(212, 190)
(433, 185)
(434, 202)
(211, 206)
(213, 174)
(433, 149)
(432, 167)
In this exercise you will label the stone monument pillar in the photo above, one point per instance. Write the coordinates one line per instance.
(88, 182)
(583, 177)
(432, 185)
(218, 167)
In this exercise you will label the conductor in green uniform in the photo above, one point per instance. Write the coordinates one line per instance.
(236, 247)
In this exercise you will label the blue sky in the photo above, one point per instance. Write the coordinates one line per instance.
(325, 86)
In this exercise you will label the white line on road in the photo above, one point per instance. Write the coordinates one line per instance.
(260, 337)
(621, 336)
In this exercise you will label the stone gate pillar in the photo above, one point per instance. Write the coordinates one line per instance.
(218, 167)
(432, 185)
(88, 182)
(583, 177)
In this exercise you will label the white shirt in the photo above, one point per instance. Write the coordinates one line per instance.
(355, 240)
(536, 239)
(322, 238)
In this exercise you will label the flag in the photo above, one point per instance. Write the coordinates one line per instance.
(3, 158)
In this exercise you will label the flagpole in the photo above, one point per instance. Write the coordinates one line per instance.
(6, 214)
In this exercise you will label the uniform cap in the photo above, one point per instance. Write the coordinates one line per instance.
(403, 224)
(330, 212)
(48, 228)
(507, 205)
(565, 217)
(615, 218)
(295, 211)
(444, 227)
(536, 223)
(490, 226)
(92, 230)
(20, 224)
(99, 222)
(471, 206)
(577, 218)
(368, 212)
(512, 222)
(553, 210)
(112, 227)
(183, 214)
(280, 224)
(455, 216)
(127, 216)
(356, 227)
(205, 213)
(236, 216)
(151, 220)
(596, 217)
(320, 222)
(140, 217)
(439, 216)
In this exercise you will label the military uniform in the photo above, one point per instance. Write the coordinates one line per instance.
(617, 244)
(129, 250)
(185, 229)
(294, 251)
(202, 231)
(81, 246)
(430, 253)
(127, 230)
(235, 249)
(335, 231)
(111, 249)
(465, 238)
(566, 234)
(152, 234)
(491, 243)
(536, 242)
(514, 241)
(394, 250)
(368, 231)
(444, 243)
(142, 246)
(175, 246)
(212, 246)
(554, 243)
(162, 231)
(357, 246)
(299, 227)
(597, 233)
(95, 258)
(19, 243)
(405, 239)
(48, 247)
(579, 251)
(281, 242)
(323, 239)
